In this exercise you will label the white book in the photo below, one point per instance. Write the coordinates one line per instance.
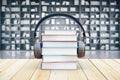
(72, 9)
(59, 37)
(4, 2)
(59, 58)
(87, 22)
(104, 3)
(64, 9)
(61, 32)
(61, 65)
(60, 44)
(27, 2)
(59, 51)
(44, 8)
(44, 3)
(58, 9)
(76, 2)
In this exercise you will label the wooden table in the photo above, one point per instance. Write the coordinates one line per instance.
(88, 69)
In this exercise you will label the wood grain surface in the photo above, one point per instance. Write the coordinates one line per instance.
(88, 69)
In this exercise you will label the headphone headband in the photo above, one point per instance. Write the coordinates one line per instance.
(59, 14)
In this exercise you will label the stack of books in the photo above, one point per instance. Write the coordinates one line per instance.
(59, 49)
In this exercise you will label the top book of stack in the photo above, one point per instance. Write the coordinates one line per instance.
(60, 32)
(59, 35)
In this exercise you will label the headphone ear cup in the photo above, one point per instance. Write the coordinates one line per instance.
(81, 49)
(38, 50)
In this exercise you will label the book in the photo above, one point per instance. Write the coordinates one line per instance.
(59, 37)
(76, 2)
(4, 2)
(60, 44)
(61, 32)
(59, 51)
(59, 58)
(44, 8)
(64, 9)
(60, 65)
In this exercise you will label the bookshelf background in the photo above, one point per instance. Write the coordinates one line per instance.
(100, 19)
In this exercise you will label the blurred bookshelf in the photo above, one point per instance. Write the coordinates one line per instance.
(100, 19)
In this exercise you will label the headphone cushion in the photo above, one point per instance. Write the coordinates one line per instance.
(37, 50)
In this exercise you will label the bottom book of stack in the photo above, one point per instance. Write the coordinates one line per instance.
(59, 62)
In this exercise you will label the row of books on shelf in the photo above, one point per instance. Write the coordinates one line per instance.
(95, 41)
(17, 9)
(106, 28)
(44, 9)
(102, 34)
(92, 34)
(61, 28)
(112, 41)
(102, 41)
(15, 28)
(27, 15)
(100, 28)
(104, 9)
(15, 41)
(58, 9)
(103, 47)
(17, 15)
(101, 22)
(14, 34)
(27, 2)
(105, 34)
(83, 15)
(18, 47)
(5, 2)
(114, 48)
(17, 21)
(107, 47)
(76, 2)
(58, 21)
(95, 3)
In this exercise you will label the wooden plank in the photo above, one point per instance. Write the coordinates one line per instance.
(76, 74)
(105, 69)
(2, 62)
(90, 70)
(117, 60)
(41, 74)
(11, 70)
(4, 65)
(58, 75)
(28, 69)
(114, 65)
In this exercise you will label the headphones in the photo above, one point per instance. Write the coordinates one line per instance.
(81, 44)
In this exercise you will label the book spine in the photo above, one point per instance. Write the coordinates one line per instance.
(59, 38)
(59, 51)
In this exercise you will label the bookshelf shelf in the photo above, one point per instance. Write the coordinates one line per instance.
(100, 19)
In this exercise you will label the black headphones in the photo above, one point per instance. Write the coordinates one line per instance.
(37, 51)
